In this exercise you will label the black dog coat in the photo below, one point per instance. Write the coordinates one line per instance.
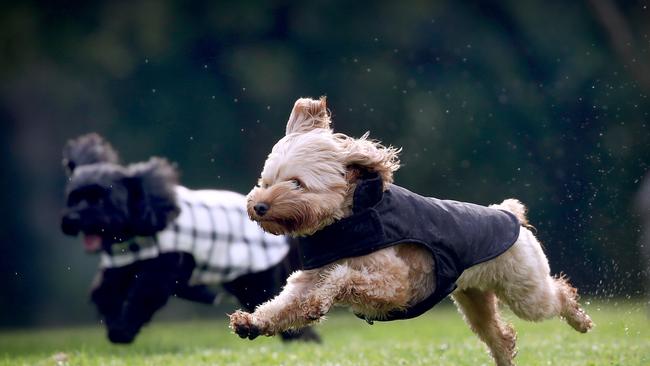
(459, 235)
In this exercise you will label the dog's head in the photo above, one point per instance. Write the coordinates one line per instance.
(110, 203)
(309, 176)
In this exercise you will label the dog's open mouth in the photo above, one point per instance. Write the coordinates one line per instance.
(92, 243)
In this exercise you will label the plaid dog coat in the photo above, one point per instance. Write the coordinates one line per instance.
(213, 226)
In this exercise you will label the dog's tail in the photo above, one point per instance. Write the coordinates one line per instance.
(517, 208)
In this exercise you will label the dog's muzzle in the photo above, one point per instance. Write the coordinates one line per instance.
(70, 224)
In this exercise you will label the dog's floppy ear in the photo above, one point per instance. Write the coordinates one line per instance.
(87, 149)
(364, 154)
(308, 114)
(152, 195)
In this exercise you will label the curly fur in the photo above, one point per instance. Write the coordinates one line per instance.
(153, 198)
(308, 114)
(87, 149)
(370, 155)
(314, 164)
(308, 182)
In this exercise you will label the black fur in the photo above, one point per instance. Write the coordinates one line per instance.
(117, 203)
(88, 149)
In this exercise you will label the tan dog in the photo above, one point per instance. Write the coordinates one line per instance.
(308, 183)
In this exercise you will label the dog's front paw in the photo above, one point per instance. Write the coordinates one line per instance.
(314, 310)
(314, 314)
(244, 325)
(120, 335)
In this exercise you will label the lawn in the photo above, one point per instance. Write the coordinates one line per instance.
(621, 337)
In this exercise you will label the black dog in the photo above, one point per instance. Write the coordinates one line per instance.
(158, 239)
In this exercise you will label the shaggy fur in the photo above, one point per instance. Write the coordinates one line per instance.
(307, 183)
(108, 204)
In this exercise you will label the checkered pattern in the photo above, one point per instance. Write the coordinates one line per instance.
(214, 227)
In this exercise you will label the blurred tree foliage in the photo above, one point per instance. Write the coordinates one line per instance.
(546, 101)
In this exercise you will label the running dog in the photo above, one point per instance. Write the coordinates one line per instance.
(158, 239)
(388, 253)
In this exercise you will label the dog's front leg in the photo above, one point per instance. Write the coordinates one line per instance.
(109, 292)
(307, 296)
(154, 283)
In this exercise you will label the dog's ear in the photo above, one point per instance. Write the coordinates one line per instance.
(87, 149)
(308, 114)
(152, 195)
(362, 154)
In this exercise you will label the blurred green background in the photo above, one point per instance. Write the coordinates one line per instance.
(546, 101)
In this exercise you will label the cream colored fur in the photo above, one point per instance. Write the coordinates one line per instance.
(307, 183)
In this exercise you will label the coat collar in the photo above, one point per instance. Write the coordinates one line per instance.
(369, 191)
(352, 235)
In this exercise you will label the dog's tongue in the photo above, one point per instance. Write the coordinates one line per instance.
(92, 243)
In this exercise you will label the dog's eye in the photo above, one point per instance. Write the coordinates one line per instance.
(296, 182)
(261, 184)
(92, 195)
(94, 199)
(74, 198)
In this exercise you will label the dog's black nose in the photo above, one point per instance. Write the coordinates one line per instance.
(70, 224)
(261, 208)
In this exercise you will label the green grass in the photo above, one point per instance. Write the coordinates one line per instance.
(621, 337)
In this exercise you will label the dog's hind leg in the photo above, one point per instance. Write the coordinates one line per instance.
(481, 312)
(571, 310)
(545, 299)
(530, 291)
